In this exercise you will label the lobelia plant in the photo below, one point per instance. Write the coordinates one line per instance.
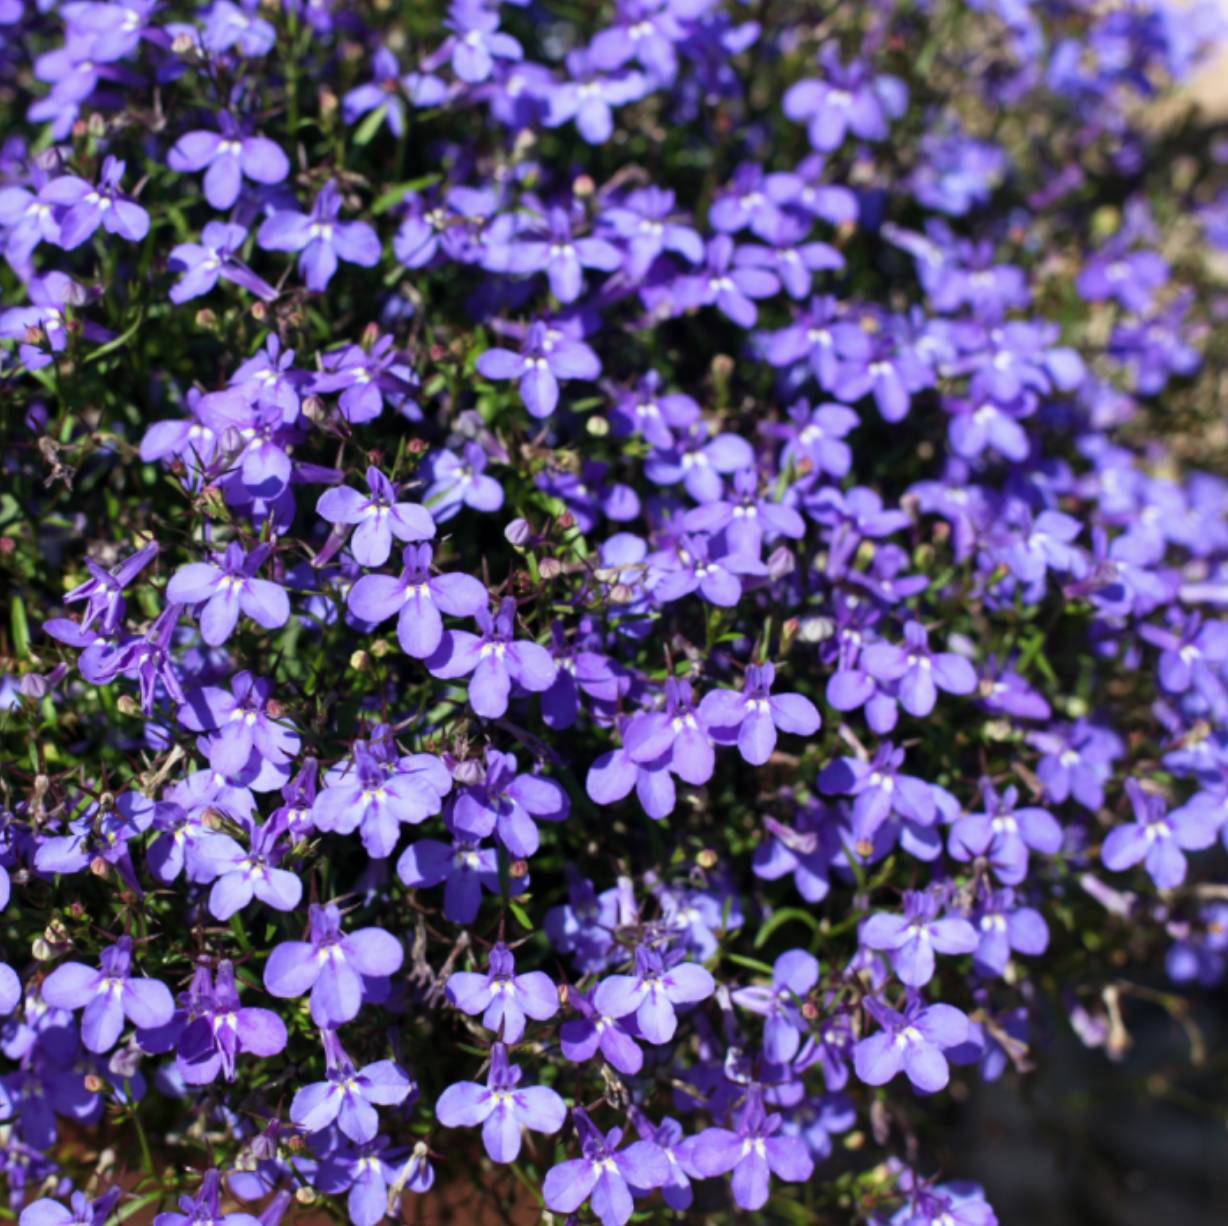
(744, 486)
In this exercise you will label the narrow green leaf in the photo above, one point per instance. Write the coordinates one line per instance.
(366, 130)
(779, 918)
(20, 625)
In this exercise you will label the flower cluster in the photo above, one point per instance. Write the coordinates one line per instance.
(595, 587)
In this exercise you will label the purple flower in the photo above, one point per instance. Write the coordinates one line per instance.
(45, 324)
(477, 41)
(912, 938)
(1005, 834)
(108, 996)
(1005, 926)
(84, 1212)
(794, 975)
(546, 356)
(364, 377)
(350, 1095)
(951, 1204)
(549, 247)
(227, 158)
(380, 792)
(219, 1028)
(504, 803)
(334, 967)
(752, 1152)
(750, 719)
(698, 460)
(321, 238)
(228, 587)
(659, 983)
(461, 481)
(10, 989)
(369, 1174)
(793, 260)
(417, 599)
(1132, 278)
(91, 206)
(504, 998)
(589, 97)
(917, 671)
(103, 592)
(465, 867)
(239, 876)
(606, 1175)
(726, 284)
(30, 217)
(643, 30)
(204, 1209)
(495, 659)
(503, 1107)
(675, 738)
(1191, 657)
(691, 566)
(230, 25)
(645, 222)
(880, 789)
(384, 92)
(245, 720)
(824, 340)
(846, 100)
(913, 1040)
(1076, 762)
(379, 518)
(214, 257)
(581, 1038)
(1158, 837)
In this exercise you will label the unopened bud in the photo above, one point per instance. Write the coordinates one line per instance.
(597, 425)
(380, 648)
(99, 867)
(40, 951)
(128, 705)
(93, 1083)
(259, 311)
(550, 568)
(518, 869)
(359, 661)
(707, 858)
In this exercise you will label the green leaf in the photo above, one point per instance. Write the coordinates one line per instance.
(366, 130)
(779, 919)
(119, 342)
(20, 625)
(395, 194)
(751, 964)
